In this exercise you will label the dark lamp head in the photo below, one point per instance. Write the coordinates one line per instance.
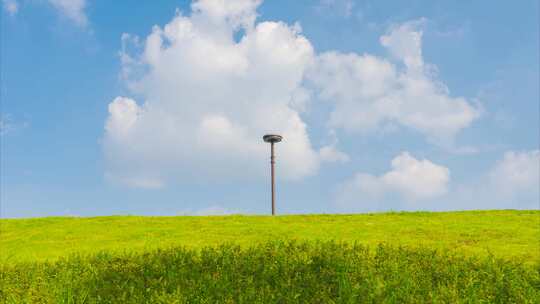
(272, 138)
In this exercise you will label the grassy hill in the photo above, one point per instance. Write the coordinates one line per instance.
(506, 234)
(419, 257)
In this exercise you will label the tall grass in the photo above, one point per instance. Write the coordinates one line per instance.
(275, 272)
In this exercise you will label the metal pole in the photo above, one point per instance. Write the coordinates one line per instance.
(272, 162)
(272, 139)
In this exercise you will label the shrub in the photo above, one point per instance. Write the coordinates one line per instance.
(275, 272)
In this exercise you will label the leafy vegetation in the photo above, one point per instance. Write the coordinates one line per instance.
(420, 257)
(277, 272)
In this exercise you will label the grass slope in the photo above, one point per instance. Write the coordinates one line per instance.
(504, 234)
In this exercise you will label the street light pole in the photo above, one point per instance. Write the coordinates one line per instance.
(272, 139)
(272, 165)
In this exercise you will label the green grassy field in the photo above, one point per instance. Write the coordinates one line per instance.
(506, 234)
(419, 257)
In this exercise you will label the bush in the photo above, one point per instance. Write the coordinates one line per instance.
(276, 272)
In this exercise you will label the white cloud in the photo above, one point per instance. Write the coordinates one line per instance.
(202, 97)
(404, 42)
(513, 182)
(215, 210)
(516, 173)
(208, 99)
(341, 7)
(136, 181)
(8, 125)
(370, 92)
(72, 9)
(331, 154)
(5, 126)
(210, 211)
(410, 179)
(11, 6)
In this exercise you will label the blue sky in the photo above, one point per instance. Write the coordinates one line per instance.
(111, 108)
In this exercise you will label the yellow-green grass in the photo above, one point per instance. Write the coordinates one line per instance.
(507, 234)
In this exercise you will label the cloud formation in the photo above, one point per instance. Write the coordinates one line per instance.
(331, 154)
(11, 6)
(10, 126)
(72, 9)
(214, 210)
(6, 126)
(409, 179)
(516, 173)
(341, 7)
(370, 92)
(205, 87)
(207, 99)
(513, 182)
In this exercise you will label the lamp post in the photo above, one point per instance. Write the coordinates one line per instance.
(272, 139)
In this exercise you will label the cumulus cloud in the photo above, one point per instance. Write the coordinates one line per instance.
(72, 9)
(370, 92)
(205, 87)
(516, 173)
(331, 154)
(206, 98)
(513, 182)
(11, 6)
(404, 42)
(410, 179)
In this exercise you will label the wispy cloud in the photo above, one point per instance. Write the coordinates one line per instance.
(73, 10)
(11, 6)
(9, 126)
(343, 8)
(211, 210)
